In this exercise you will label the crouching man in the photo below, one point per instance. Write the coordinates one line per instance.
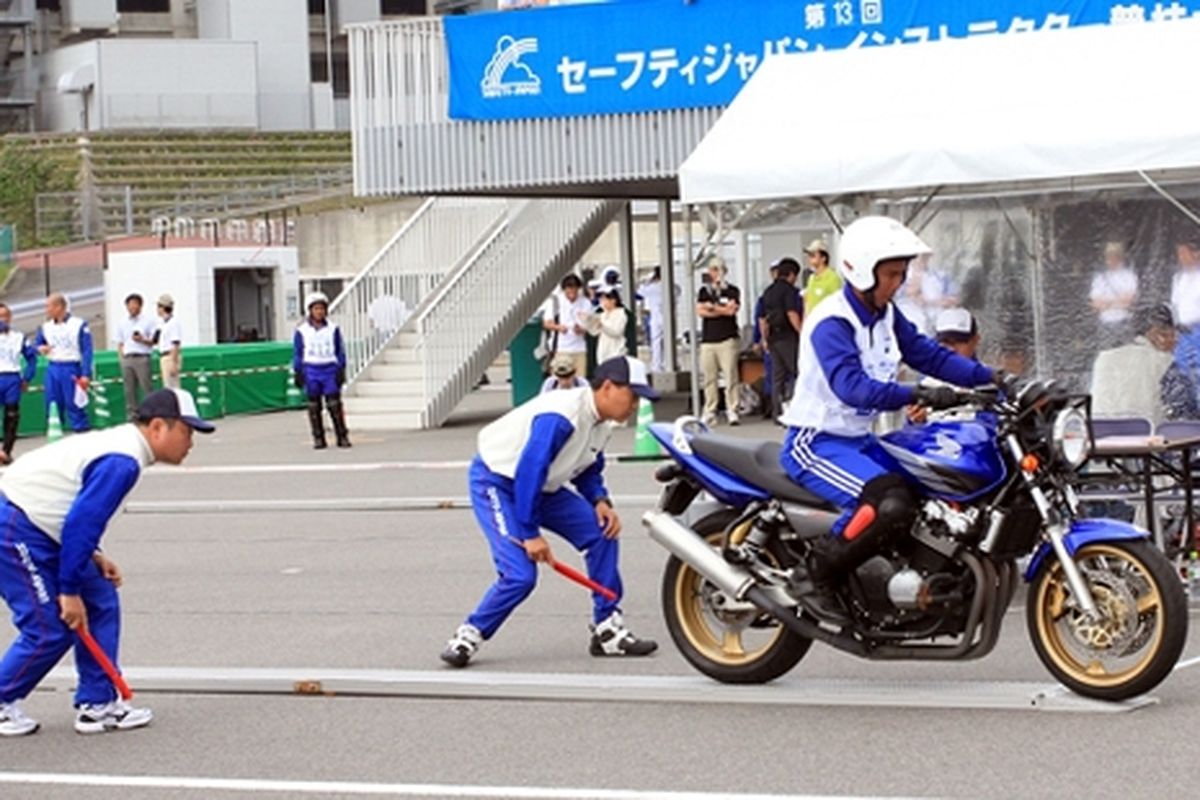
(518, 486)
(57, 501)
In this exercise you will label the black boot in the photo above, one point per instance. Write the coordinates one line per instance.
(886, 509)
(316, 423)
(338, 414)
(12, 420)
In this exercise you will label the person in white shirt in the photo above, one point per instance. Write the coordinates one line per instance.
(608, 324)
(1185, 285)
(1114, 290)
(14, 378)
(564, 316)
(134, 339)
(651, 295)
(169, 339)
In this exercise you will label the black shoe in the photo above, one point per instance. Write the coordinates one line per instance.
(343, 441)
(612, 638)
(319, 443)
(818, 598)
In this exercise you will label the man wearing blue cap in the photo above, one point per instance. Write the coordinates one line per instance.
(518, 486)
(56, 502)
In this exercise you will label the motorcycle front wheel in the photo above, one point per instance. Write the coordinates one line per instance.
(728, 640)
(1142, 625)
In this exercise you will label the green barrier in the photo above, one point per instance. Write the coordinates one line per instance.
(224, 379)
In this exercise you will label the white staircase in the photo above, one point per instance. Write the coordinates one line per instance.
(412, 374)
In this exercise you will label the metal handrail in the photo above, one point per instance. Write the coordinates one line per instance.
(437, 240)
(476, 311)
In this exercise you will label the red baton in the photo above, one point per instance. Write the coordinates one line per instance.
(105, 664)
(583, 580)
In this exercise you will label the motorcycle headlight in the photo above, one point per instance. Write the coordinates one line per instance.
(1071, 437)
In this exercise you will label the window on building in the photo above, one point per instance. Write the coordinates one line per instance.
(318, 68)
(316, 7)
(410, 7)
(143, 6)
(50, 5)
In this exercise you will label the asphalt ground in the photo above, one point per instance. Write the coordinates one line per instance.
(382, 590)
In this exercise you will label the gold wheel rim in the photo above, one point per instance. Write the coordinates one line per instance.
(1051, 608)
(722, 644)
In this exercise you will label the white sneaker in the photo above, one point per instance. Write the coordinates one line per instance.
(462, 645)
(115, 716)
(612, 638)
(13, 721)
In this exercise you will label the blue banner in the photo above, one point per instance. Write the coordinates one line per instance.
(650, 55)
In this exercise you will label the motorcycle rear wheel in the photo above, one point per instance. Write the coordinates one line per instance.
(1143, 625)
(723, 640)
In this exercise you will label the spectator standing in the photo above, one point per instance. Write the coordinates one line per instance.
(170, 342)
(134, 339)
(1185, 285)
(717, 306)
(319, 363)
(608, 324)
(779, 323)
(824, 280)
(14, 378)
(564, 315)
(66, 342)
(1114, 291)
(651, 295)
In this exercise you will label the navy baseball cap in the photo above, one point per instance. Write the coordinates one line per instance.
(626, 371)
(173, 404)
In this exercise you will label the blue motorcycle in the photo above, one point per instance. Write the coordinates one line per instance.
(1105, 610)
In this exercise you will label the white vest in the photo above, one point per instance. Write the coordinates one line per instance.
(45, 482)
(502, 442)
(63, 338)
(814, 404)
(11, 345)
(319, 343)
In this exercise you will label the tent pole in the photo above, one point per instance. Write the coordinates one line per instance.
(1036, 298)
(666, 260)
(689, 291)
(1187, 212)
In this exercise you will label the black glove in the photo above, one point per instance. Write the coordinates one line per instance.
(1006, 381)
(298, 379)
(341, 376)
(937, 397)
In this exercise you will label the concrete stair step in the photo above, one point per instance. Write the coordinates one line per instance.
(383, 405)
(396, 421)
(397, 355)
(385, 388)
(399, 370)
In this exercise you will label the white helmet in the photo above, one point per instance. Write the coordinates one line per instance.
(869, 240)
(314, 298)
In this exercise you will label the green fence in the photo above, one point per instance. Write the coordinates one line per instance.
(224, 379)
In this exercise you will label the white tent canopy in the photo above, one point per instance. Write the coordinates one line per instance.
(1094, 100)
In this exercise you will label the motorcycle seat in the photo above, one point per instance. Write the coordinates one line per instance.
(756, 462)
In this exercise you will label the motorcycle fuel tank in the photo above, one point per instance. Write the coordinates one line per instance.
(954, 460)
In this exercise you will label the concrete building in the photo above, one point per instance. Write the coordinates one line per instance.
(68, 65)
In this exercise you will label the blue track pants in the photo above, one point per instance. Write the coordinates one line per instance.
(834, 467)
(29, 584)
(564, 512)
(60, 389)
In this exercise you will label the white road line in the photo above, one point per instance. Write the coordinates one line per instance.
(378, 789)
(250, 469)
(271, 505)
(587, 688)
(1191, 662)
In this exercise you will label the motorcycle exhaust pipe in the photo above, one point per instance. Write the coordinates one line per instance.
(689, 548)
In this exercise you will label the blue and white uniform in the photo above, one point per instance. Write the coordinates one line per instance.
(318, 354)
(70, 358)
(57, 501)
(518, 484)
(849, 360)
(13, 348)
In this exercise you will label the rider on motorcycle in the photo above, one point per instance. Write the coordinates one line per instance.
(850, 353)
